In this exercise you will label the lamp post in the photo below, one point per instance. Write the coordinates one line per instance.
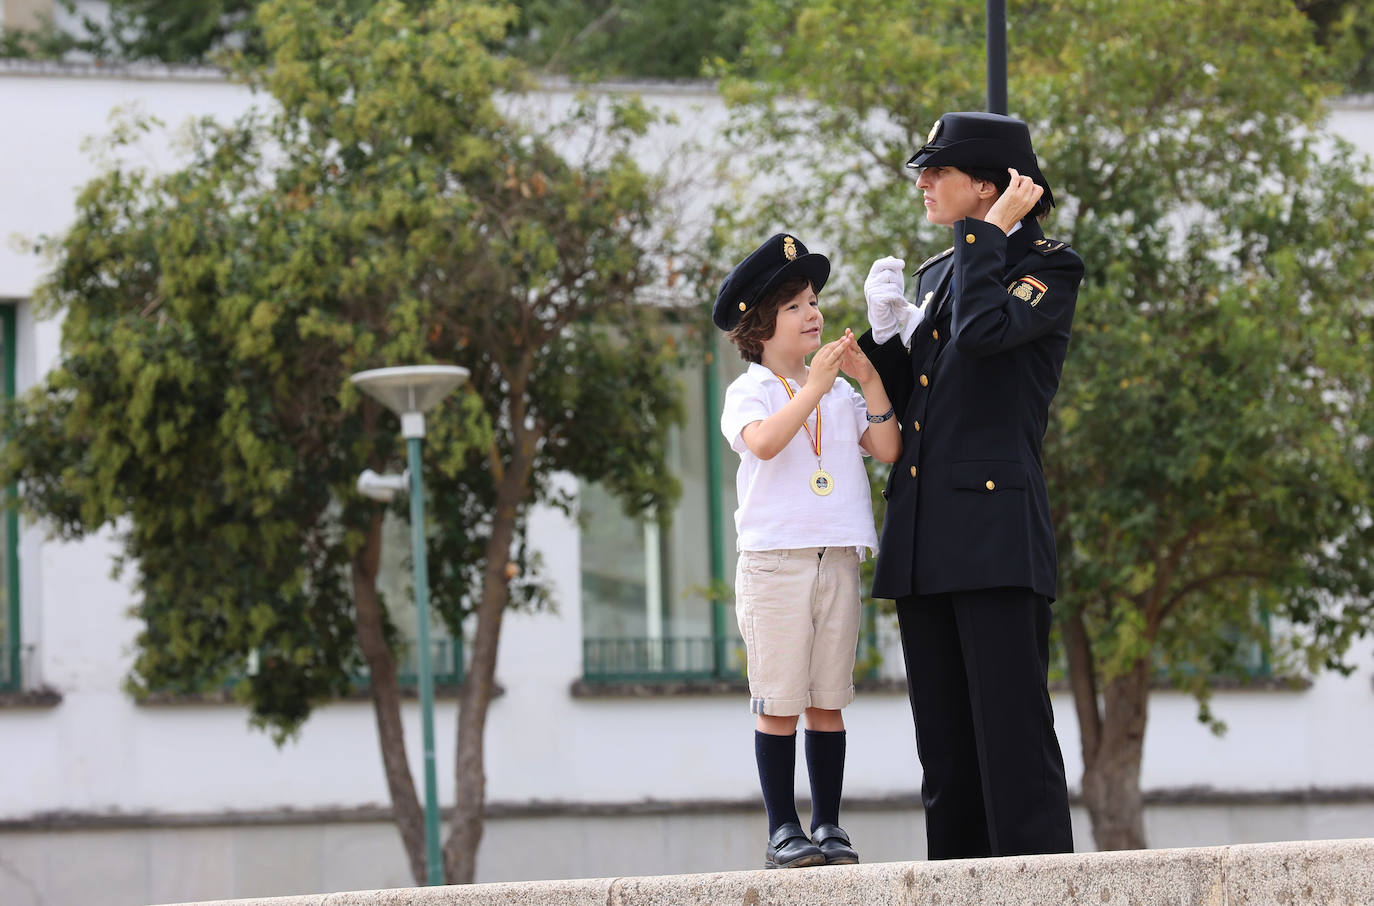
(997, 56)
(410, 392)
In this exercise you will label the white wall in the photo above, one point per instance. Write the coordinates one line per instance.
(98, 753)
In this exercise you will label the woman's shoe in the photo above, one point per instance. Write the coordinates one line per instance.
(789, 847)
(834, 844)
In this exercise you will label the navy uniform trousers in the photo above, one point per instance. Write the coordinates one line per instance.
(994, 783)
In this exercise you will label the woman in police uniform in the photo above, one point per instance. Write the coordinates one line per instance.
(967, 547)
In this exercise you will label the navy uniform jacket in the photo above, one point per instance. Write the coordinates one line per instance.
(966, 503)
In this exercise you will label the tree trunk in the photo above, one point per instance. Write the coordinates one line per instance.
(386, 699)
(1111, 771)
(460, 850)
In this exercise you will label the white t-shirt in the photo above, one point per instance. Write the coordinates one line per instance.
(777, 508)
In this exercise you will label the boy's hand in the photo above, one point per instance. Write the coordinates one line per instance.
(825, 364)
(854, 362)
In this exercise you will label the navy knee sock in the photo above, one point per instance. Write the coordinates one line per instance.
(825, 765)
(777, 760)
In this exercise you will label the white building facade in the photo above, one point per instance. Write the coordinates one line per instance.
(597, 766)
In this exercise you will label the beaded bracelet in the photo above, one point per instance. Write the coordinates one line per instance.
(879, 419)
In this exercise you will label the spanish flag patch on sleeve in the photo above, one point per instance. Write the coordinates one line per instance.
(1028, 289)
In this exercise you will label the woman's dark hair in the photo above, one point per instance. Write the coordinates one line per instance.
(757, 324)
(1001, 179)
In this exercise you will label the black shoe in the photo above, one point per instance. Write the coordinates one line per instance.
(789, 848)
(834, 845)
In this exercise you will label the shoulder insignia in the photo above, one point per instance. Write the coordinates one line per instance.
(932, 259)
(1048, 246)
(1028, 289)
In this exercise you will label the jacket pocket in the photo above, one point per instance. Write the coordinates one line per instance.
(988, 475)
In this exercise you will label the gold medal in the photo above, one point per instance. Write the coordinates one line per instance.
(822, 482)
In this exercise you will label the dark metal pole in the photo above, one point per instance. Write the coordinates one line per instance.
(434, 859)
(997, 56)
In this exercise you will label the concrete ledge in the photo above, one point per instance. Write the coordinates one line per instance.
(1327, 872)
(31, 698)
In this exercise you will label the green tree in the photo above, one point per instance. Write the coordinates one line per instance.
(170, 31)
(659, 39)
(1209, 452)
(382, 212)
(1345, 28)
(662, 38)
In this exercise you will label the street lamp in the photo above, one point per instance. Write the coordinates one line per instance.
(997, 56)
(410, 392)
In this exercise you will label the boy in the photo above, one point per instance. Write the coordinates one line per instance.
(805, 514)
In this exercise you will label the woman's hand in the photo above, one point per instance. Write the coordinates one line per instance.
(1015, 203)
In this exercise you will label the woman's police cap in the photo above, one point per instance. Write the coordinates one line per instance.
(983, 140)
(781, 256)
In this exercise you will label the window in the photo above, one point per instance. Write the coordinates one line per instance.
(396, 586)
(394, 582)
(648, 611)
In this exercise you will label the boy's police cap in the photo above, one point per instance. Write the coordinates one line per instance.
(983, 140)
(781, 256)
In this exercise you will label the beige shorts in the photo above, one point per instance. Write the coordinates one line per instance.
(798, 611)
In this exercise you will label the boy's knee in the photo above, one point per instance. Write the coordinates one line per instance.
(826, 720)
(778, 724)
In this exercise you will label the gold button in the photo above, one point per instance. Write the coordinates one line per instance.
(935, 334)
(742, 306)
(990, 485)
(969, 238)
(925, 381)
(913, 471)
(916, 425)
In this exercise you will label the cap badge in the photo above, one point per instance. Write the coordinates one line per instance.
(934, 131)
(789, 248)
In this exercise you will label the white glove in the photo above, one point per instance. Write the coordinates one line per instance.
(884, 292)
(915, 315)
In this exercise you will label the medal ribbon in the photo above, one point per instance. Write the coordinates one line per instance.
(815, 439)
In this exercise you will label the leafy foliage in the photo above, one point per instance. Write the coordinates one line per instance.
(662, 39)
(384, 212)
(171, 31)
(659, 39)
(1345, 28)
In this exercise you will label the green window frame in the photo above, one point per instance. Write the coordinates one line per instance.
(446, 664)
(13, 651)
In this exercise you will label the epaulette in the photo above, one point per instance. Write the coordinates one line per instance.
(932, 259)
(1048, 246)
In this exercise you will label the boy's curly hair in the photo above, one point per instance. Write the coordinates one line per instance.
(757, 324)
